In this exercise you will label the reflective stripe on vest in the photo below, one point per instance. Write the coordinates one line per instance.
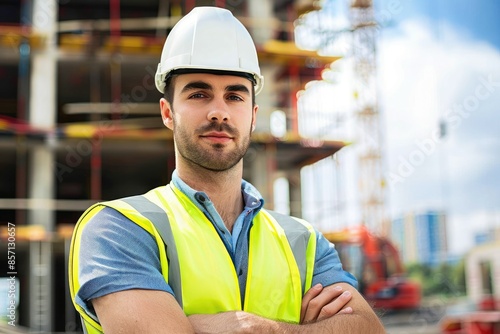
(199, 268)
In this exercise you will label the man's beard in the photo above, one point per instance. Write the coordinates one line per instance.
(218, 158)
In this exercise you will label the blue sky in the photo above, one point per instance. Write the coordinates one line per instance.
(479, 18)
(438, 62)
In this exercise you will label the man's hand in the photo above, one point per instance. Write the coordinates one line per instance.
(320, 303)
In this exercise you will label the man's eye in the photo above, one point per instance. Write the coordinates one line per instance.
(197, 96)
(235, 98)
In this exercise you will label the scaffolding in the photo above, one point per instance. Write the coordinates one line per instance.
(371, 179)
(360, 32)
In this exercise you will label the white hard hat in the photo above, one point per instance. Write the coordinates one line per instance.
(209, 39)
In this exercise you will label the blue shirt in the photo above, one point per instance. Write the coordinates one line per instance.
(116, 254)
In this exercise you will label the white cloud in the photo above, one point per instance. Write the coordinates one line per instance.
(470, 224)
(424, 79)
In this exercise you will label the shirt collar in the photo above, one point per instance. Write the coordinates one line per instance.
(251, 196)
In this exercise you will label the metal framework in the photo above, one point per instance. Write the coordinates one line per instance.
(371, 179)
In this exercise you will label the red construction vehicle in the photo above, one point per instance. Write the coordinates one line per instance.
(375, 262)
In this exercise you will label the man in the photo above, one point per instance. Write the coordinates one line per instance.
(201, 255)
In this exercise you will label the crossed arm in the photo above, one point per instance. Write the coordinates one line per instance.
(338, 308)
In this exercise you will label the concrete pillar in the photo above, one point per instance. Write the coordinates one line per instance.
(295, 188)
(42, 111)
(41, 184)
(281, 193)
(496, 274)
(261, 12)
(42, 114)
(261, 161)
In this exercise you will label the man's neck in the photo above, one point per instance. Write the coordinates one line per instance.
(223, 189)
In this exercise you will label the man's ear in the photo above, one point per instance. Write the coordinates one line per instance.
(166, 113)
(254, 116)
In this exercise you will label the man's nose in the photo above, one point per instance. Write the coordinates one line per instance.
(219, 111)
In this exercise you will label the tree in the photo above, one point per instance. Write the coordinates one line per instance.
(444, 279)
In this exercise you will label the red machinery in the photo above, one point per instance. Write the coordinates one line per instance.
(376, 264)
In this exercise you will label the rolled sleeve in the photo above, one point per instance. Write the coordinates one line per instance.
(116, 255)
(327, 267)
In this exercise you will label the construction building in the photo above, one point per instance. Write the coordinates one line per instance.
(421, 237)
(483, 272)
(80, 123)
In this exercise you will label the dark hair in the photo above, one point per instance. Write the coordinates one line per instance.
(169, 88)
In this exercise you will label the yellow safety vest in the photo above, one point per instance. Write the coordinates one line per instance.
(280, 260)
